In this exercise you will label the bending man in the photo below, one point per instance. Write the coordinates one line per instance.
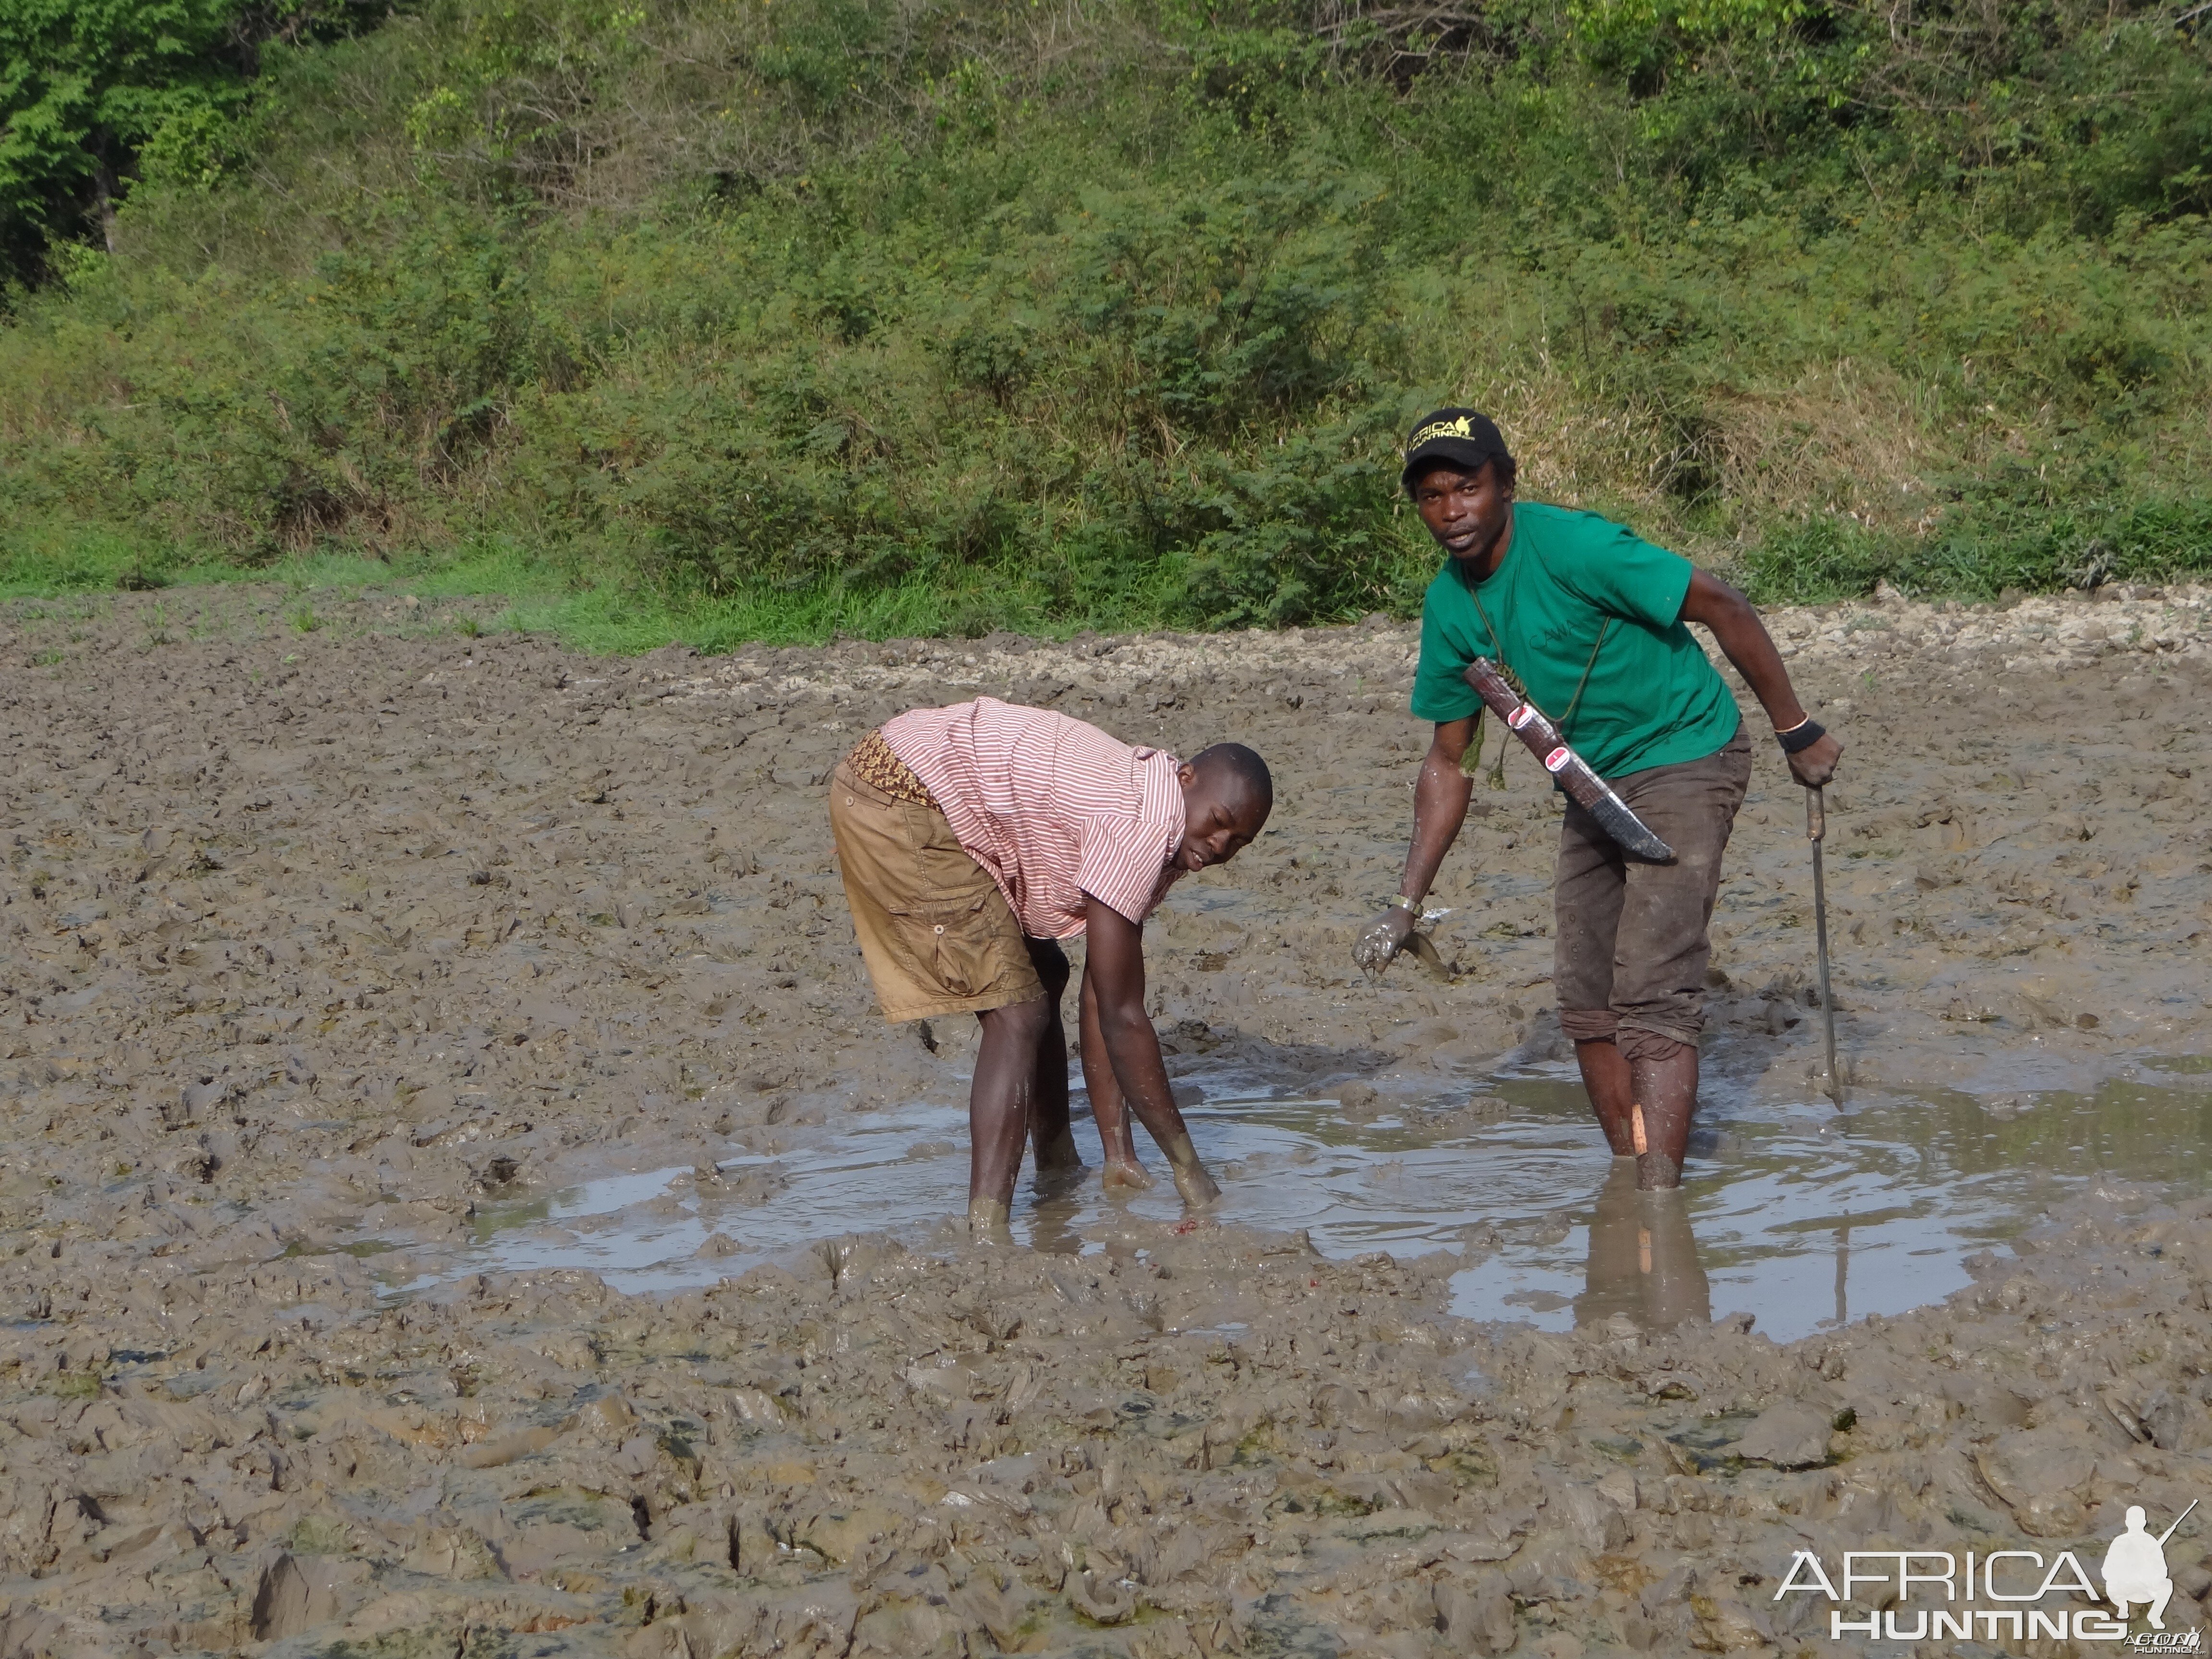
(1590, 618)
(972, 839)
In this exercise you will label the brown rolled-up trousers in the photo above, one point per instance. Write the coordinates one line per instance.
(1632, 939)
(936, 934)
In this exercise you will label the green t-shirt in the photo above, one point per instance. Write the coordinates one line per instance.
(1652, 700)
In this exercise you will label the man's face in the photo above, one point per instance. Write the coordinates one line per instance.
(1217, 823)
(1464, 511)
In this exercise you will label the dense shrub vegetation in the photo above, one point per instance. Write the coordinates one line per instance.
(785, 315)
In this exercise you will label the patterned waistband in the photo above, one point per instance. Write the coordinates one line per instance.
(877, 765)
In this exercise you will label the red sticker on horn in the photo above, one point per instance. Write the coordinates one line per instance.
(1521, 716)
(1558, 758)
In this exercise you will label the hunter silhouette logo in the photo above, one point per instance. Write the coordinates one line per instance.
(2135, 1568)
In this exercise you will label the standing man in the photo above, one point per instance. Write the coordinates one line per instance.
(1589, 618)
(972, 839)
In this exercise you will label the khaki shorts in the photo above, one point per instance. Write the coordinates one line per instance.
(1632, 944)
(936, 933)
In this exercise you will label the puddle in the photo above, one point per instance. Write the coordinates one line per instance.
(1801, 1216)
(1808, 1219)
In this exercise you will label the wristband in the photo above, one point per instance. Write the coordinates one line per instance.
(1801, 735)
(1401, 902)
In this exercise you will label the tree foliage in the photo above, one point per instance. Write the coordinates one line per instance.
(1044, 314)
(95, 92)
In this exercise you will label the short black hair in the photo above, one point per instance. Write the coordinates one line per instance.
(1244, 765)
(1508, 470)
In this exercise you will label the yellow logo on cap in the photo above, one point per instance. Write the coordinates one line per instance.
(1461, 428)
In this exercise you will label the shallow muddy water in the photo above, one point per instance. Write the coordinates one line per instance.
(1801, 1216)
(1809, 1218)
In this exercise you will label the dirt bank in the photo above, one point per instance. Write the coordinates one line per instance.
(317, 942)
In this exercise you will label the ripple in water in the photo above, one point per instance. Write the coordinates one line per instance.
(1801, 1216)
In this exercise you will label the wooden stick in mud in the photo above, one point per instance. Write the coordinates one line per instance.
(1816, 829)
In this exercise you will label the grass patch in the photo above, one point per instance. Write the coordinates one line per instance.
(879, 319)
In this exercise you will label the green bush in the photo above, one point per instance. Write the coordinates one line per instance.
(849, 314)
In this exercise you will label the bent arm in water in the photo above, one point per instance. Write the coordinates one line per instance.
(1117, 1028)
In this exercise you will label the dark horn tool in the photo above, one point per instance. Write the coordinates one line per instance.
(1534, 728)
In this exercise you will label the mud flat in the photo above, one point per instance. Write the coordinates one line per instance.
(366, 987)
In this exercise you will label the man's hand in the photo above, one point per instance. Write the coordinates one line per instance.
(1383, 938)
(1440, 798)
(1815, 766)
(1744, 641)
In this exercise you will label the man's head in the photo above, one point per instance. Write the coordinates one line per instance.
(1460, 476)
(1227, 794)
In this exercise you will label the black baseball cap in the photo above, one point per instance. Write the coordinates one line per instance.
(1465, 437)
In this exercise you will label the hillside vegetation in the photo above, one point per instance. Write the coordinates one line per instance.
(778, 317)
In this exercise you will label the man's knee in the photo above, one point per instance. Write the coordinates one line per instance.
(1588, 1024)
(1645, 1043)
(1020, 1022)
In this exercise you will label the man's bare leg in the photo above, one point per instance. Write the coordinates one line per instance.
(1665, 1088)
(1605, 1079)
(999, 1104)
(1052, 1138)
(1117, 1137)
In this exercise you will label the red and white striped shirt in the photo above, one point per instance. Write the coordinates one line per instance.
(1051, 808)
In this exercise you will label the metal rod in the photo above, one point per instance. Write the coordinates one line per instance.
(1816, 829)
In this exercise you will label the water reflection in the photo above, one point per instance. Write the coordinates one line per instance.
(1795, 1214)
(1642, 1258)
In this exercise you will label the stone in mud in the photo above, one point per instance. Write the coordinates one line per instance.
(572, 1351)
(452, 1552)
(1593, 1515)
(1991, 1406)
(756, 1186)
(296, 1594)
(839, 1535)
(195, 1100)
(1001, 1609)
(609, 1419)
(1102, 1599)
(1359, 1102)
(2174, 1422)
(501, 1449)
(1170, 1638)
(1476, 1613)
(2041, 1475)
(1790, 1436)
(1726, 1624)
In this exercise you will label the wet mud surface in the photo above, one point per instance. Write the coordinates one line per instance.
(458, 1198)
